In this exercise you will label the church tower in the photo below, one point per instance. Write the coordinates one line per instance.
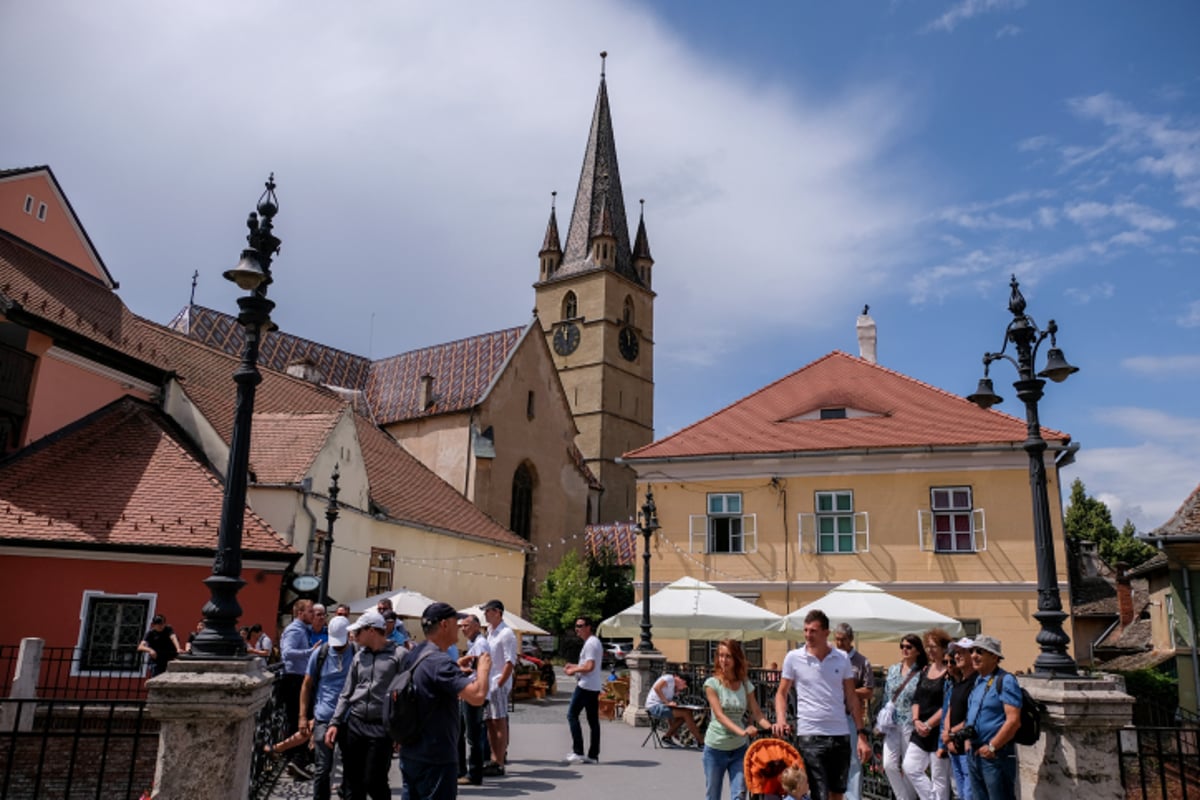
(596, 306)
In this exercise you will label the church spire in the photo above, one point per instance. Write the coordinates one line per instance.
(551, 253)
(599, 203)
(642, 260)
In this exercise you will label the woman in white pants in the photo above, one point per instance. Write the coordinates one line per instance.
(900, 686)
(924, 747)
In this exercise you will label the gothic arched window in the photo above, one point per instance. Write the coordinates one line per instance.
(570, 308)
(628, 316)
(521, 514)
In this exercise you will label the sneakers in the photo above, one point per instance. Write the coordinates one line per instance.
(493, 770)
(669, 741)
(590, 760)
(575, 758)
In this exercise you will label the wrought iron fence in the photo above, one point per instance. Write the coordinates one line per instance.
(270, 727)
(72, 749)
(1159, 763)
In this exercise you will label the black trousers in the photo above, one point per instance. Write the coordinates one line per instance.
(365, 764)
(471, 739)
(585, 700)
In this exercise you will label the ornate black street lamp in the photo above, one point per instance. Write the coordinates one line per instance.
(1026, 337)
(220, 637)
(331, 515)
(648, 526)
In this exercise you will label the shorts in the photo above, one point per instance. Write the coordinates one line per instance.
(497, 704)
(661, 712)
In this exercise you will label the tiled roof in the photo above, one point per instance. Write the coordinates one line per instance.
(1158, 561)
(783, 417)
(409, 492)
(278, 349)
(1136, 661)
(1094, 596)
(283, 446)
(462, 372)
(121, 477)
(1186, 520)
(620, 537)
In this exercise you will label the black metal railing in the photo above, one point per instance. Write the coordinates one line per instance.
(98, 749)
(65, 673)
(270, 727)
(1160, 763)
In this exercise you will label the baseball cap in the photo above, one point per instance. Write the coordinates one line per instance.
(369, 619)
(965, 643)
(339, 631)
(436, 612)
(496, 604)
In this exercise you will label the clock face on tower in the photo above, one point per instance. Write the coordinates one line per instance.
(566, 338)
(628, 342)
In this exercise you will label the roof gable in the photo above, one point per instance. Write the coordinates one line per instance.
(890, 410)
(34, 208)
(1186, 521)
(134, 483)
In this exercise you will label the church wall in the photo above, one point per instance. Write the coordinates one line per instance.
(441, 443)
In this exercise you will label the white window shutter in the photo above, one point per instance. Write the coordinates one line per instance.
(806, 530)
(698, 529)
(862, 532)
(980, 530)
(749, 533)
(925, 530)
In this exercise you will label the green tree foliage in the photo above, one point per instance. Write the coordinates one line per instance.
(616, 581)
(568, 592)
(1088, 519)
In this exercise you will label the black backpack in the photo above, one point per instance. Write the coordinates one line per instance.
(1030, 729)
(400, 708)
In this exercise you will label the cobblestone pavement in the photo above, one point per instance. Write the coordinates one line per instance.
(537, 765)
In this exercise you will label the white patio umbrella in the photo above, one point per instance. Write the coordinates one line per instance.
(405, 602)
(518, 624)
(874, 614)
(693, 609)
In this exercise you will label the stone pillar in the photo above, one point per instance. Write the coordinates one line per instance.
(206, 710)
(643, 666)
(19, 716)
(1077, 754)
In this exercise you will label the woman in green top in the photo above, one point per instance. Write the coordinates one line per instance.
(730, 696)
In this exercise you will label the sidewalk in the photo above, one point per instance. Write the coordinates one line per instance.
(537, 765)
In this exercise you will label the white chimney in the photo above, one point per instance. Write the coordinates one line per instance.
(866, 336)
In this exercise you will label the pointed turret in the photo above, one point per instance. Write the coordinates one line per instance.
(551, 253)
(599, 192)
(603, 238)
(642, 260)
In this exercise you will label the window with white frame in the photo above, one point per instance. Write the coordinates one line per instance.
(952, 524)
(724, 529)
(112, 628)
(834, 527)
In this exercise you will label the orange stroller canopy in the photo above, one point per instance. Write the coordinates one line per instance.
(766, 759)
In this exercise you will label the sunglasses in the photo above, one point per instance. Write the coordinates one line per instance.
(578, 626)
(906, 647)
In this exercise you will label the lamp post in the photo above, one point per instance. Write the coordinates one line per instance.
(1026, 337)
(331, 515)
(220, 637)
(648, 526)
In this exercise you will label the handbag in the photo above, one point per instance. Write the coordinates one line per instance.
(885, 723)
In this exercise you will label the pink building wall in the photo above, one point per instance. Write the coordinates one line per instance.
(58, 233)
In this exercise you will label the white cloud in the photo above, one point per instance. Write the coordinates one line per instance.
(1008, 31)
(1047, 217)
(1139, 216)
(1164, 148)
(1033, 144)
(1185, 366)
(1191, 316)
(1086, 294)
(967, 272)
(966, 9)
(415, 153)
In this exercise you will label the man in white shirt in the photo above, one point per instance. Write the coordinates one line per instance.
(503, 645)
(824, 681)
(588, 680)
(661, 704)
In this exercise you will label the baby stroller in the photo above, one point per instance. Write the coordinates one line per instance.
(766, 760)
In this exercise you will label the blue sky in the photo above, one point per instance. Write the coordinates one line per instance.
(798, 160)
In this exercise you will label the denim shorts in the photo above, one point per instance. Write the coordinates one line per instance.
(661, 712)
(827, 762)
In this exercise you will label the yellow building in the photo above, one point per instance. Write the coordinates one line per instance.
(845, 469)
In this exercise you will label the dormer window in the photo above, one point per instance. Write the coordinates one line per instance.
(833, 413)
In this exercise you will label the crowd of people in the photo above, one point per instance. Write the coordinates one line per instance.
(949, 716)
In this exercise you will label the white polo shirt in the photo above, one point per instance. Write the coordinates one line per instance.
(820, 691)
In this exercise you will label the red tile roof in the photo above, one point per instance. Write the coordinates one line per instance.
(619, 537)
(409, 492)
(1186, 520)
(124, 478)
(283, 446)
(899, 412)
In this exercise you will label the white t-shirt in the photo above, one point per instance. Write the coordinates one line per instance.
(593, 650)
(503, 644)
(667, 682)
(820, 691)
